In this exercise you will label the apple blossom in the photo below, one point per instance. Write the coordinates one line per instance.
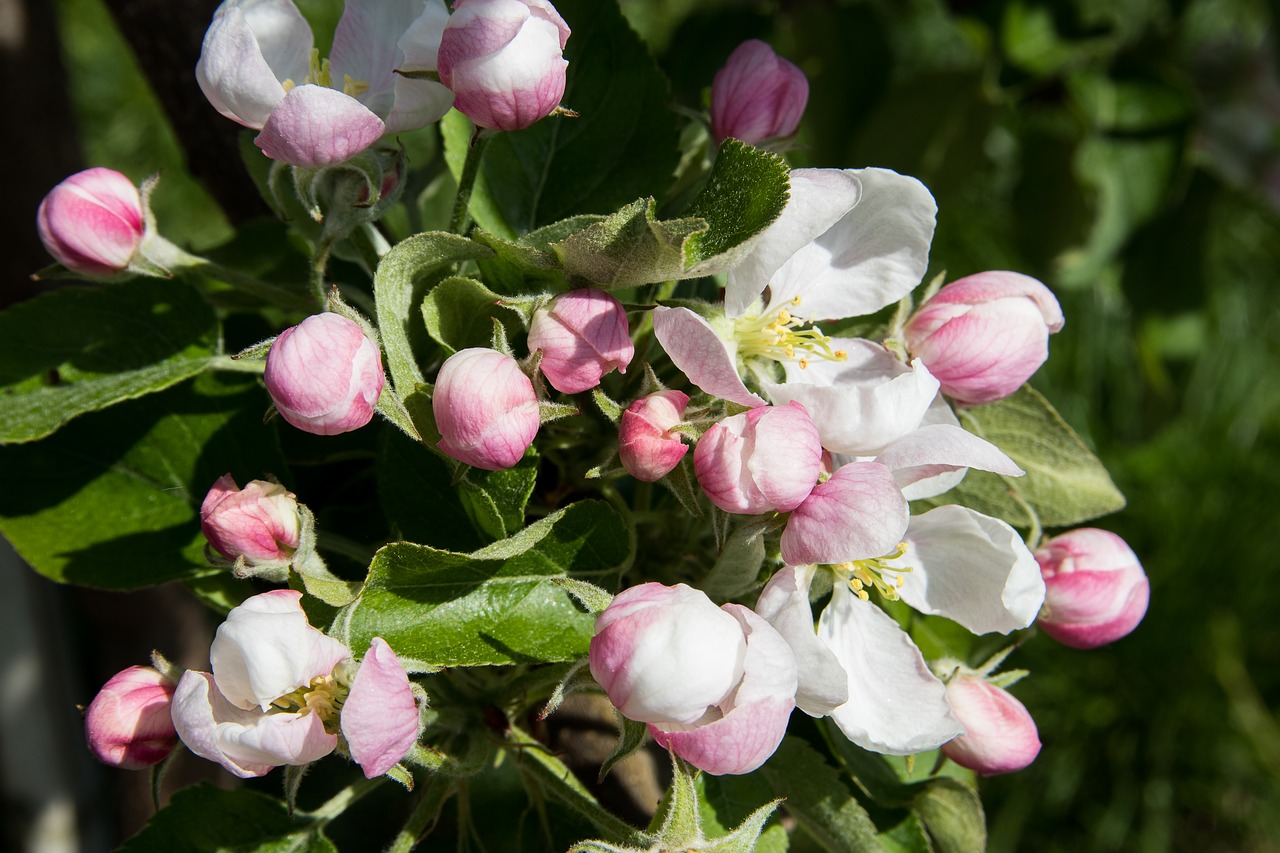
(1096, 591)
(757, 95)
(763, 460)
(504, 61)
(582, 335)
(647, 447)
(93, 222)
(984, 335)
(1000, 736)
(128, 723)
(715, 685)
(324, 375)
(258, 522)
(281, 691)
(258, 66)
(485, 409)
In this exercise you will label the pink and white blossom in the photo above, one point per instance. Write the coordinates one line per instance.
(504, 61)
(757, 95)
(280, 691)
(324, 375)
(763, 460)
(1096, 590)
(258, 66)
(1000, 735)
(128, 723)
(984, 335)
(715, 685)
(485, 408)
(258, 522)
(647, 445)
(582, 335)
(93, 222)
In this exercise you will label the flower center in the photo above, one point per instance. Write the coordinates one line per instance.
(320, 75)
(323, 696)
(779, 335)
(863, 574)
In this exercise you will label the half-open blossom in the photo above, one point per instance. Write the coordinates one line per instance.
(757, 95)
(128, 724)
(1000, 736)
(647, 446)
(258, 66)
(763, 460)
(281, 691)
(847, 244)
(324, 375)
(1095, 589)
(582, 335)
(485, 409)
(984, 335)
(715, 685)
(258, 522)
(504, 61)
(92, 222)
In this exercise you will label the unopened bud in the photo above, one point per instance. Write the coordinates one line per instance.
(757, 95)
(324, 375)
(1000, 736)
(128, 723)
(583, 335)
(258, 522)
(647, 447)
(92, 222)
(1095, 589)
(485, 409)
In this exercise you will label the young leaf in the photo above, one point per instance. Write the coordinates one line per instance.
(818, 799)
(78, 350)
(207, 818)
(459, 313)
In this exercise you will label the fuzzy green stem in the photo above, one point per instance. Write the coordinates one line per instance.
(178, 260)
(424, 814)
(470, 169)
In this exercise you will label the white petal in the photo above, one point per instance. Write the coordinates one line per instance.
(972, 569)
(863, 404)
(896, 705)
(784, 603)
(266, 649)
(924, 454)
(819, 198)
(701, 354)
(367, 45)
(249, 49)
(875, 255)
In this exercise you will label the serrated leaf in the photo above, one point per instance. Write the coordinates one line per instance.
(731, 801)
(394, 290)
(745, 193)
(497, 605)
(112, 500)
(1065, 483)
(818, 799)
(459, 313)
(497, 499)
(208, 819)
(622, 146)
(78, 350)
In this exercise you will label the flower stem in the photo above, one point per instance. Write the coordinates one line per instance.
(470, 169)
(178, 260)
(424, 814)
(340, 801)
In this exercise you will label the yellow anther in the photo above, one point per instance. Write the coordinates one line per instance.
(804, 363)
(353, 87)
(784, 318)
(862, 594)
(780, 335)
(841, 355)
(287, 85)
(795, 300)
(862, 575)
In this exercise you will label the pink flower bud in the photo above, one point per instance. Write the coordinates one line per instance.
(258, 522)
(503, 60)
(1000, 736)
(984, 335)
(649, 450)
(764, 460)
(485, 409)
(324, 375)
(128, 724)
(757, 95)
(715, 685)
(92, 222)
(583, 335)
(1095, 589)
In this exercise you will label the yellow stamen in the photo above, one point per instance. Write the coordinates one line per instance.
(779, 335)
(323, 696)
(862, 575)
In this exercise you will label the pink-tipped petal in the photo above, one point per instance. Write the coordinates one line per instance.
(757, 95)
(701, 354)
(647, 447)
(249, 50)
(258, 522)
(128, 724)
(582, 335)
(315, 126)
(380, 717)
(858, 514)
(938, 449)
(324, 375)
(1096, 590)
(92, 222)
(485, 409)
(1000, 736)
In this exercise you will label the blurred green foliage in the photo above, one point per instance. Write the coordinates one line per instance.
(1127, 153)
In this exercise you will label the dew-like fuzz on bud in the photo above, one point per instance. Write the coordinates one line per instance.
(782, 336)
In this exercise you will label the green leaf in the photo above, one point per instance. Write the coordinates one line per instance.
(112, 500)
(818, 799)
(632, 737)
(745, 193)
(623, 146)
(497, 605)
(907, 836)
(952, 815)
(78, 350)
(394, 289)
(1065, 483)
(459, 313)
(419, 499)
(207, 818)
(497, 499)
(737, 569)
(730, 801)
